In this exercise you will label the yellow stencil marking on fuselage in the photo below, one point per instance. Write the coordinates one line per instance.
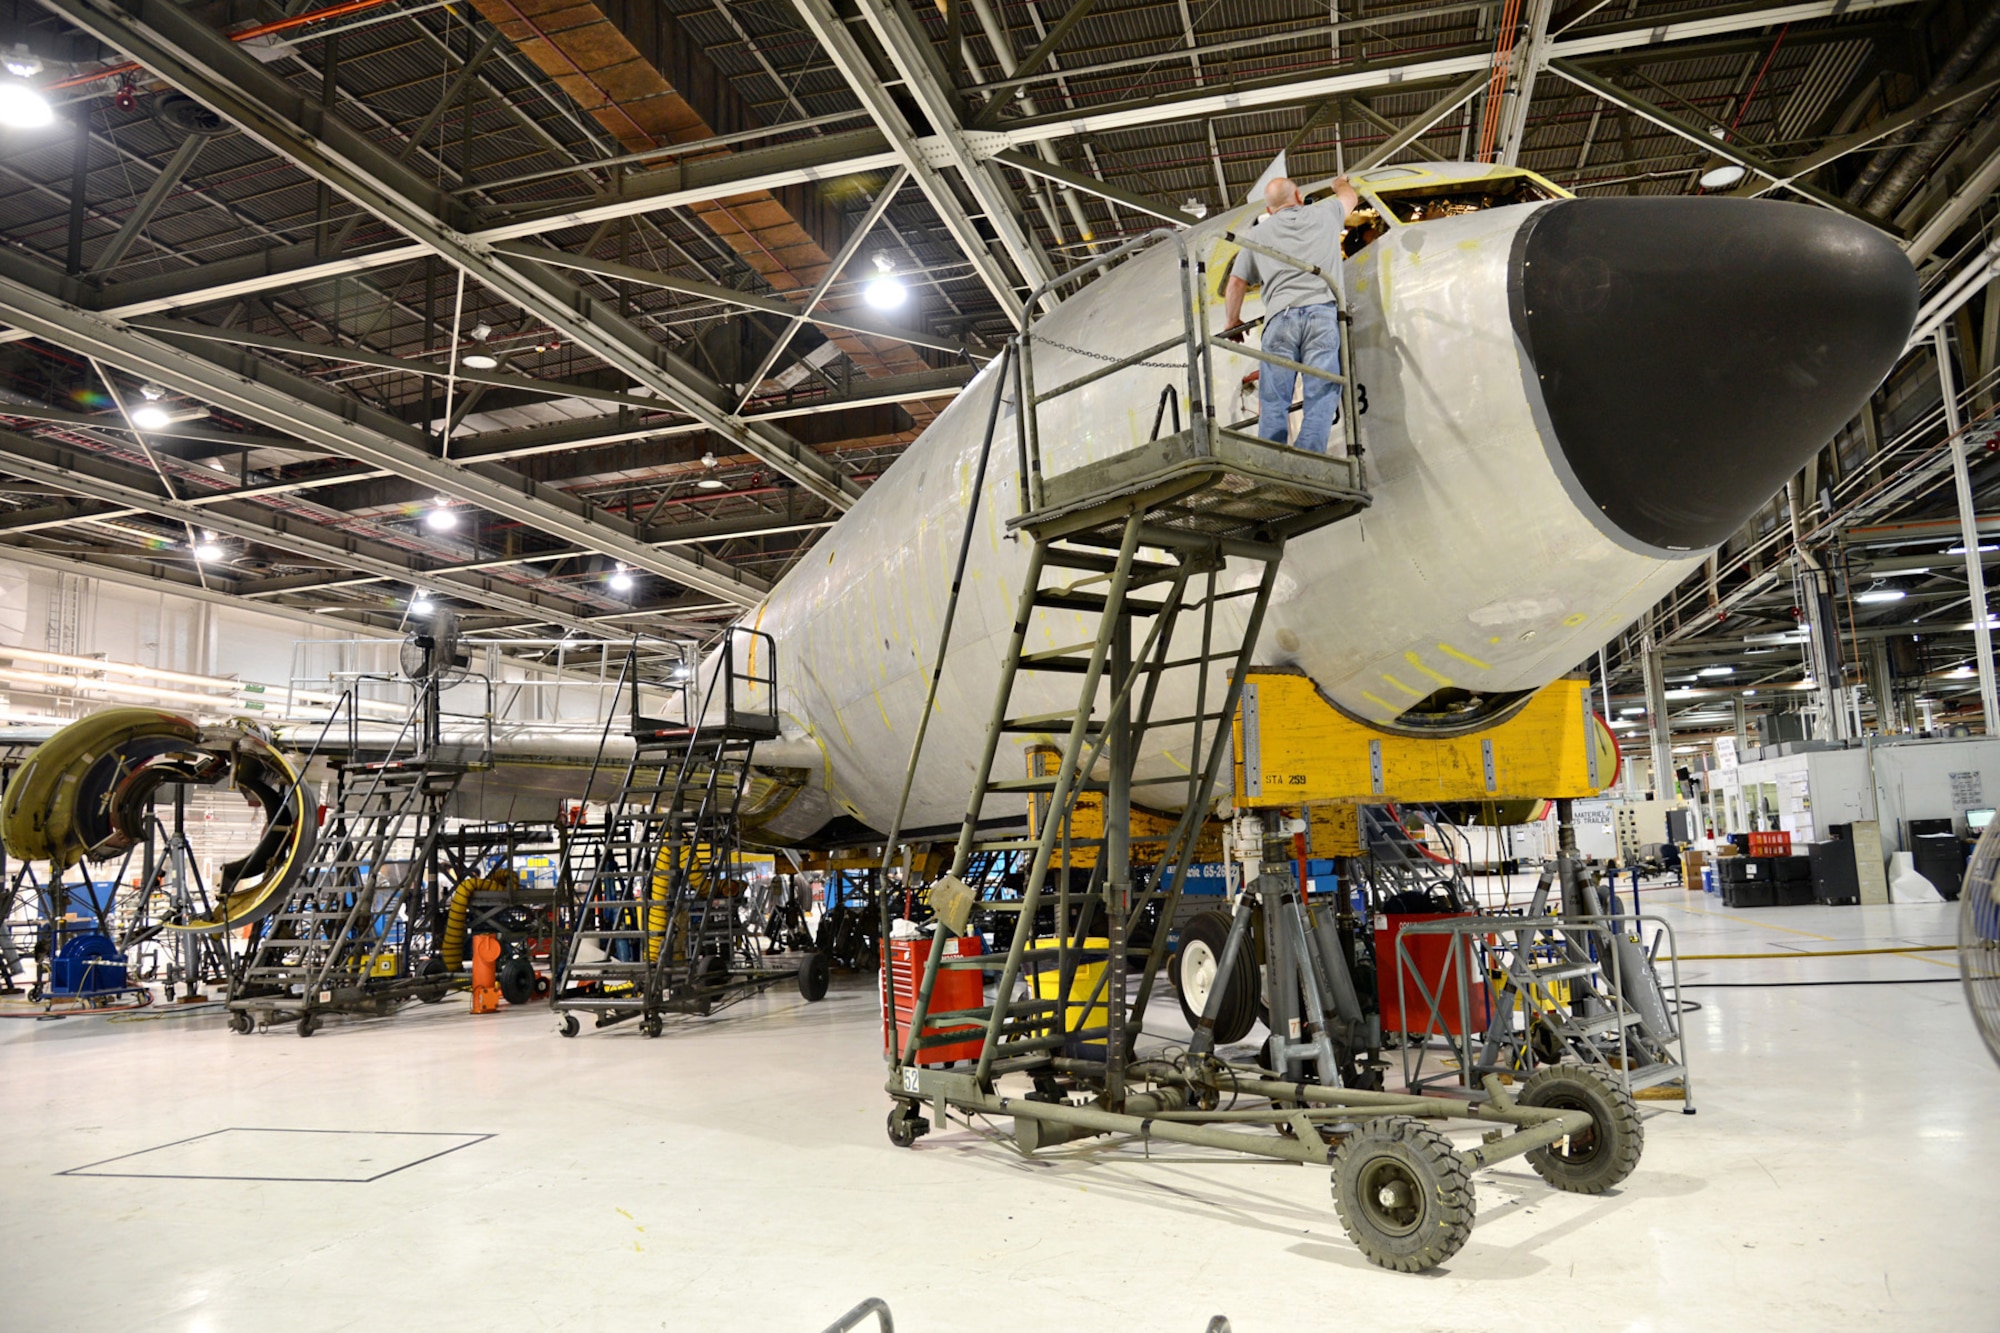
(1414, 694)
(1418, 662)
(1378, 701)
(1466, 658)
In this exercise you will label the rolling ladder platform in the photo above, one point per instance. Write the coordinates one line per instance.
(655, 926)
(1166, 556)
(353, 938)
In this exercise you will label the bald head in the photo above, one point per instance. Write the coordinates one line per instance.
(1281, 194)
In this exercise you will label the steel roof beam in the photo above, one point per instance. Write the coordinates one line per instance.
(845, 52)
(910, 54)
(205, 65)
(1708, 143)
(1646, 34)
(264, 391)
(849, 321)
(836, 155)
(98, 478)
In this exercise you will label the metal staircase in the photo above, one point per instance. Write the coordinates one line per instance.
(656, 924)
(1134, 547)
(354, 936)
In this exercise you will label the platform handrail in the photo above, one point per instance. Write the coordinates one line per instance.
(1195, 338)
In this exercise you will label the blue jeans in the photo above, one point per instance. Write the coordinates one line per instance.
(1309, 335)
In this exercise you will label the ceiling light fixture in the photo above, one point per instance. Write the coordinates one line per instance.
(620, 580)
(420, 605)
(710, 483)
(208, 549)
(442, 517)
(885, 291)
(1880, 593)
(22, 107)
(1716, 671)
(1722, 177)
(151, 416)
(1195, 208)
(480, 358)
(21, 62)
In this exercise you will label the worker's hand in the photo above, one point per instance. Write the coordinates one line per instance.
(1235, 335)
(1341, 181)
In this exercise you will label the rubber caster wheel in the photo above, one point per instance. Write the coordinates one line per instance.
(308, 1025)
(1592, 1160)
(242, 1023)
(570, 1027)
(906, 1126)
(814, 977)
(651, 1025)
(1404, 1197)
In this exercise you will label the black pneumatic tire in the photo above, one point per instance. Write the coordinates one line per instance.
(1404, 1197)
(517, 980)
(1601, 1156)
(815, 974)
(1205, 934)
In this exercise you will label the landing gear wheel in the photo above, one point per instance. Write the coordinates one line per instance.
(814, 975)
(1597, 1158)
(517, 980)
(308, 1024)
(906, 1126)
(1403, 1195)
(242, 1023)
(1193, 970)
(434, 994)
(651, 1025)
(570, 1027)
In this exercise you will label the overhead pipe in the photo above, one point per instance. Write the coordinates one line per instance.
(1869, 186)
(247, 34)
(1003, 51)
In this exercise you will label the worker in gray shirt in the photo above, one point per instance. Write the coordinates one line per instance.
(1301, 320)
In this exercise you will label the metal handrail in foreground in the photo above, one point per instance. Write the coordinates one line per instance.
(1464, 967)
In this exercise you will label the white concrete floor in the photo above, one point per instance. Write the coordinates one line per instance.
(735, 1175)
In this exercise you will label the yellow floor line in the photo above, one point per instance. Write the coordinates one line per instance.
(1825, 953)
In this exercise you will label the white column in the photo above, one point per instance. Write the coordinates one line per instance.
(1968, 527)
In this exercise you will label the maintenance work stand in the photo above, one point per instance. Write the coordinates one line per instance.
(357, 936)
(1138, 543)
(656, 921)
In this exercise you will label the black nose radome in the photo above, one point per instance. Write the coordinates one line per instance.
(1693, 353)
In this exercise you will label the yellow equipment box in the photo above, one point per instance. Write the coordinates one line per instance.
(1295, 748)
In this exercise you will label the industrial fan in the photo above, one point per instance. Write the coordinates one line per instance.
(1979, 938)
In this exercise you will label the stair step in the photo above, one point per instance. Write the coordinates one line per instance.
(1055, 661)
(1561, 972)
(1101, 562)
(1057, 599)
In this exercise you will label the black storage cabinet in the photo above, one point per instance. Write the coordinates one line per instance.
(1835, 881)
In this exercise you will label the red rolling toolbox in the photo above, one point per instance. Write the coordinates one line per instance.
(956, 988)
